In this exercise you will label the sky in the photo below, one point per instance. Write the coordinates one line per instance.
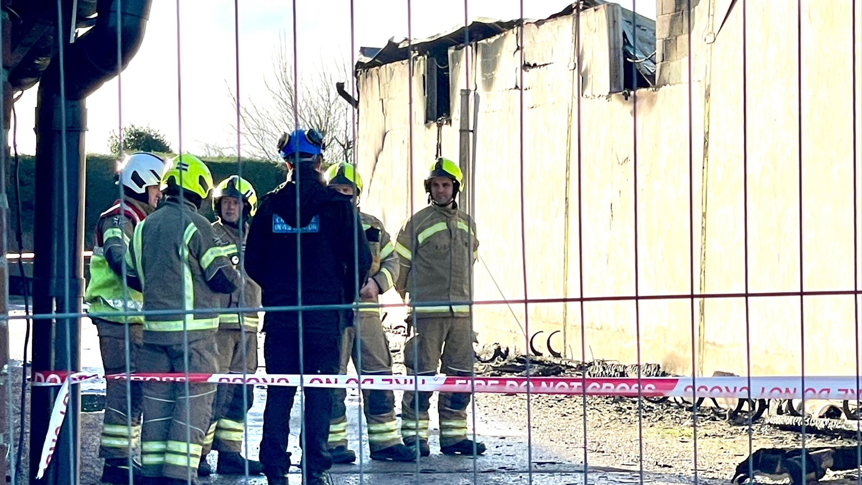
(179, 82)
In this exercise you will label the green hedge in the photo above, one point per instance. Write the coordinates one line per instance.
(102, 191)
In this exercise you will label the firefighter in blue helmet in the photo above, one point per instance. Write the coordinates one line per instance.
(306, 244)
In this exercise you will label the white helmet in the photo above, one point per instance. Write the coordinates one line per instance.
(141, 170)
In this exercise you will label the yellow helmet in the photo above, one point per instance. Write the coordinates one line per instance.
(237, 187)
(188, 172)
(343, 173)
(443, 167)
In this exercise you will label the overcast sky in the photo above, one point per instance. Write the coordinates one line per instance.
(202, 110)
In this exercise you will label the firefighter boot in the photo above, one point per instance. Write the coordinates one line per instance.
(397, 452)
(342, 455)
(204, 468)
(232, 463)
(464, 447)
(116, 471)
(422, 444)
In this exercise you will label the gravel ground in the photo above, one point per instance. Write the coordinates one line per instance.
(661, 441)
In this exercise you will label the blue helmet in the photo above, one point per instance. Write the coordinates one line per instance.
(306, 144)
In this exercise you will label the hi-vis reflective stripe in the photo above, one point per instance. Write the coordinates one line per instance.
(183, 448)
(188, 282)
(440, 226)
(177, 325)
(234, 318)
(114, 442)
(152, 459)
(443, 308)
(464, 227)
(337, 432)
(225, 435)
(408, 428)
(139, 269)
(453, 428)
(229, 430)
(210, 436)
(387, 250)
(115, 232)
(403, 252)
(154, 446)
(382, 432)
(215, 252)
(388, 276)
(230, 424)
(120, 430)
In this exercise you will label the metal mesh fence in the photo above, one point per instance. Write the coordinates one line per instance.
(591, 247)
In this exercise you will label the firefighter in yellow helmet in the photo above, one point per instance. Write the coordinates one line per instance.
(181, 269)
(372, 347)
(437, 248)
(234, 204)
(139, 176)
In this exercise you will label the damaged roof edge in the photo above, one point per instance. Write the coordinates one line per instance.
(482, 28)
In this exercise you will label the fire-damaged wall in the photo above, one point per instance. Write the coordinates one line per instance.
(644, 192)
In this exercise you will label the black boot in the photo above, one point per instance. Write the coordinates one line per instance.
(463, 447)
(232, 463)
(116, 471)
(342, 455)
(319, 478)
(204, 468)
(397, 452)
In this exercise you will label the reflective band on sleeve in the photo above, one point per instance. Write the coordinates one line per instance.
(215, 252)
(118, 233)
(387, 250)
(388, 276)
(403, 252)
(440, 226)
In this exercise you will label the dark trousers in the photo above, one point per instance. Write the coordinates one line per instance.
(321, 354)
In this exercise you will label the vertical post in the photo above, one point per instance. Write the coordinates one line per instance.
(5, 371)
(58, 277)
(464, 150)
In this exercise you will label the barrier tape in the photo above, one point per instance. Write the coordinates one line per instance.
(61, 402)
(816, 387)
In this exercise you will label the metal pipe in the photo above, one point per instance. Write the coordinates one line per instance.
(59, 231)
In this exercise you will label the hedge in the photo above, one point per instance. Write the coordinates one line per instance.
(102, 191)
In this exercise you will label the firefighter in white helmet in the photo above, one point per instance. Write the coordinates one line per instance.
(366, 340)
(109, 296)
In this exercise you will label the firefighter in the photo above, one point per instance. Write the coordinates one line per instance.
(234, 203)
(106, 293)
(305, 245)
(437, 248)
(181, 269)
(372, 347)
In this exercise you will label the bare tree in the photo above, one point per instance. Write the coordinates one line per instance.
(317, 106)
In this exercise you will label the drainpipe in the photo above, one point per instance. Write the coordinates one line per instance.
(61, 121)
